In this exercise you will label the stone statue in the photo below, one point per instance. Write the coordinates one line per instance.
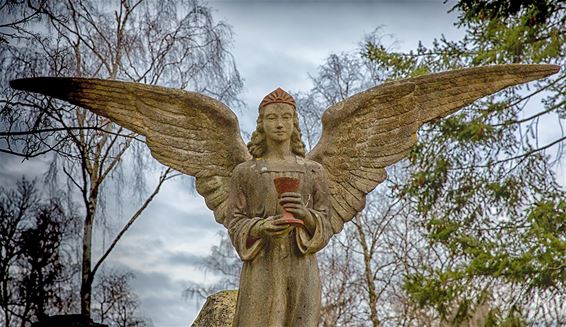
(279, 283)
(280, 205)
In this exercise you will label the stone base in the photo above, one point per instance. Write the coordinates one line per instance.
(67, 321)
(218, 310)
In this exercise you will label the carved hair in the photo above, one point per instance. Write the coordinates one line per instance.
(258, 144)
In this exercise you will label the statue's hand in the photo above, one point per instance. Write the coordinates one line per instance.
(293, 203)
(266, 228)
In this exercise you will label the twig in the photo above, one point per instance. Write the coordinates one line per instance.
(523, 156)
(162, 179)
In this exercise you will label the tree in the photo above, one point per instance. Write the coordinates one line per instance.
(172, 43)
(342, 284)
(400, 234)
(360, 268)
(481, 182)
(115, 303)
(42, 266)
(32, 232)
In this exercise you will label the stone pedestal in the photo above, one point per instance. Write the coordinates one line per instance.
(67, 321)
(218, 310)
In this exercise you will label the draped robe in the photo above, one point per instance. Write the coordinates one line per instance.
(279, 282)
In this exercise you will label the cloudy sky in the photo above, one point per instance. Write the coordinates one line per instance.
(277, 44)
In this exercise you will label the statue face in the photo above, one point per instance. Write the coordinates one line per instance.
(278, 121)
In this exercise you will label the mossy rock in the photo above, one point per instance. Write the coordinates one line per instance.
(218, 310)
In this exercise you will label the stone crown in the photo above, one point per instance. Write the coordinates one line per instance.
(278, 96)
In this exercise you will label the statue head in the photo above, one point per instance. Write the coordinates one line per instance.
(257, 145)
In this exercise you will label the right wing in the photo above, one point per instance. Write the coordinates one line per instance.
(371, 130)
(187, 131)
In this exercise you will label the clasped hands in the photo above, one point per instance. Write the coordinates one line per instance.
(293, 203)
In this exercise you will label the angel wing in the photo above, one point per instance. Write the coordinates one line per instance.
(374, 129)
(187, 131)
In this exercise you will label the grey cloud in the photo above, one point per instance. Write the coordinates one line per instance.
(183, 259)
(12, 169)
(157, 251)
(161, 298)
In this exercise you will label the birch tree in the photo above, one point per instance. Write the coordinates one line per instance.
(170, 43)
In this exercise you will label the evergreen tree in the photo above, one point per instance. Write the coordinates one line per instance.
(482, 182)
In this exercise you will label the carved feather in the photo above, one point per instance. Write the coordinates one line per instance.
(186, 131)
(374, 129)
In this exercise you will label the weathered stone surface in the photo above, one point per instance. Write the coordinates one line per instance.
(189, 132)
(371, 130)
(218, 310)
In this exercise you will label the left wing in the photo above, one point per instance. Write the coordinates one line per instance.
(376, 128)
(187, 131)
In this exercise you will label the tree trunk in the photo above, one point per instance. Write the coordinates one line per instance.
(372, 296)
(5, 302)
(86, 280)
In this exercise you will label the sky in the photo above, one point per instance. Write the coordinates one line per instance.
(276, 44)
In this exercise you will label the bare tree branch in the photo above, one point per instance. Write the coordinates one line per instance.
(162, 179)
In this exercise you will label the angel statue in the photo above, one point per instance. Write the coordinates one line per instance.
(279, 204)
